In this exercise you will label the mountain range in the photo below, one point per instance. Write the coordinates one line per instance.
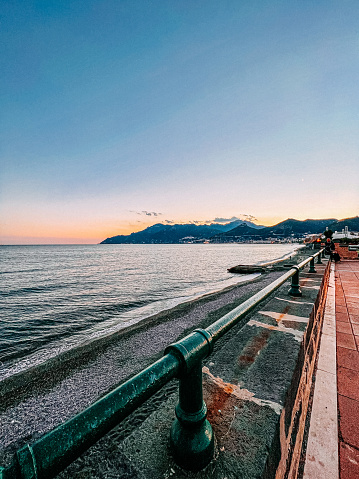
(169, 234)
(164, 233)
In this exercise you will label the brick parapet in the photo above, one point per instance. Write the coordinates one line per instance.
(344, 253)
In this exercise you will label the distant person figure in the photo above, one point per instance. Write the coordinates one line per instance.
(336, 256)
(329, 248)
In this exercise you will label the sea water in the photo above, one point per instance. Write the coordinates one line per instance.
(55, 297)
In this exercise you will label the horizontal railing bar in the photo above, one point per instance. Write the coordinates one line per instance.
(57, 449)
(306, 261)
(226, 322)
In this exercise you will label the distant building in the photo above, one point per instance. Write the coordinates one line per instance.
(345, 234)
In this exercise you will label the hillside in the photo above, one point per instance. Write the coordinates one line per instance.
(165, 234)
(292, 227)
(296, 227)
(289, 227)
(169, 234)
(351, 223)
(160, 233)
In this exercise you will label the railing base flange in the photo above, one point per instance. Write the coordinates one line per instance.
(192, 448)
(295, 292)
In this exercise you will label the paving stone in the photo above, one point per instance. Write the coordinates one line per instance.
(348, 383)
(349, 420)
(349, 462)
(348, 358)
(352, 301)
(346, 340)
(343, 327)
(344, 317)
(340, 302)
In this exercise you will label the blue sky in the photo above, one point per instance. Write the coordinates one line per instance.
(188, 109)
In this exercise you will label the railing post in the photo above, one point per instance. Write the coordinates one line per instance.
(295, 287)
(319, 260)
(312, 267)
(191, 438)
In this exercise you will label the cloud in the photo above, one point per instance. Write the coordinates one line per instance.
(250, 217)
(241, 217)
(217, 220)
(150, 213)
(146, 213)
(224, 220)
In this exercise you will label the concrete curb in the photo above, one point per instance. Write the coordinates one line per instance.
(322, 449)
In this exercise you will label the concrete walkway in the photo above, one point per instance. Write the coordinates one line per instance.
(347, 325)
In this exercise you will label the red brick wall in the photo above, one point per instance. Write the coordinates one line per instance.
(344, 253)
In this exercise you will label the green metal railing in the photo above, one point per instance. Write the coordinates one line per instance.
(191, 436)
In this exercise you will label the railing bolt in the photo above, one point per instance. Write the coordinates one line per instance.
(295, 287)
(312, 268)
(192, 439)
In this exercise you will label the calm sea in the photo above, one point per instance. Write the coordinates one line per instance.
(54, 297)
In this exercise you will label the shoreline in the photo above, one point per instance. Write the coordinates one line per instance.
(117, 316)
(87, 349)
(70, 359)
(282, 258)
(111, 332)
